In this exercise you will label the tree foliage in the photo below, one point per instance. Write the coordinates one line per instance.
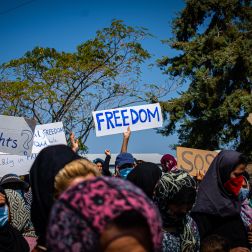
(51, 86)
(214, 40)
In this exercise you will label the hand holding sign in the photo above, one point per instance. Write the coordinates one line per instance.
(127, 133)
(126, 137)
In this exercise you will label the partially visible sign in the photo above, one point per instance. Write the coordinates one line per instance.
(249, 118)
(16, 164)
(114, 121)
(48, 134)
(16, 135)
(194, 160)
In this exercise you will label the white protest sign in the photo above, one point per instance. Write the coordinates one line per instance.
(114, 121)
(16, 164)
(16, 135)
(48, 134)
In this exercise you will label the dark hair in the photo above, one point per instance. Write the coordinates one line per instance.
(98, 160)
(215, 243)
(126, 166)
(137, 226)
(243, 159)
(186, 195)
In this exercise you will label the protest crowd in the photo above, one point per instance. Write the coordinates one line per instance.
(70, 203)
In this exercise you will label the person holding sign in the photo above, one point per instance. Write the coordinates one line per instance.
(218, 206)
(125, 162)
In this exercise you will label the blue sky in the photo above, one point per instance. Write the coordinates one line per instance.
(64, 24)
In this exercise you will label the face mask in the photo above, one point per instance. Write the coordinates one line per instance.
(234, 185)
(124, 172)
(243, 194)
(3, 215)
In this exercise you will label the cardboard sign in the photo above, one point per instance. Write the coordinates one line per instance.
(114, 121)
(249, 118)
(48, 134)
(16, 164)
(194, 160)
(16, 135)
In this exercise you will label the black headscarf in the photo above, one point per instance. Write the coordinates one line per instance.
(12, 240)
(212, 198)
(145, 176)
(12, 181)
(42, 174)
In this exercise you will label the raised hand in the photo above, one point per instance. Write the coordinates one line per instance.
(127, 133)
(74, 142)
(107, 153)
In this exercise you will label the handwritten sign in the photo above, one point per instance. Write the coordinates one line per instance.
(114, 121)
(48, 134)
(16, 164)
(249, 118)
(194, 160)
(16, 135)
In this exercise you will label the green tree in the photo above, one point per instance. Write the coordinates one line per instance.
(214, 40)
(51, 86)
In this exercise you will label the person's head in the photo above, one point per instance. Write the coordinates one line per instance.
(80, 168)
(168, 162)
(230, 167)
(215, 243)
(175, 195)
(145, 176)
(138, 161)
(47, 164)
(230, 164)
(104, 214)
(12, 181)
(124, 164)
(99, 164)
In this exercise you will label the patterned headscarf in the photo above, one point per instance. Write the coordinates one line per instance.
(165, 191)
(82, 213)
(168, 163)
(19, 213)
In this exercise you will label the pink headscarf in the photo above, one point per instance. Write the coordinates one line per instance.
(82, 213)
(168, 163)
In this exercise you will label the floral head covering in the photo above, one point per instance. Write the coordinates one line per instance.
(82, 213)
